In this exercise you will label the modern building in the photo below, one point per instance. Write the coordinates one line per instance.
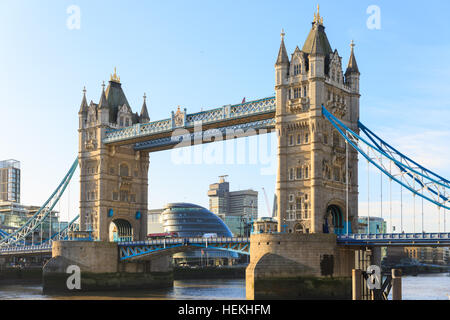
(10, 181)
(14, 215)
(373, 225)
(237, 208)
(154, 221)
(190, 220)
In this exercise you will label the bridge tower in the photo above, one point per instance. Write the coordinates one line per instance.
(113, 180)
(311, 181)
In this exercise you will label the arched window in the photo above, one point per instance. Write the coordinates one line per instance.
(298, 228)
(306, 172)
(123, 170)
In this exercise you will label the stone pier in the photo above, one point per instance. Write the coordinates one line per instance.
(299, 266)
(101, 269)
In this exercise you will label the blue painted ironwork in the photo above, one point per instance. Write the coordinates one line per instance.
(357, 142)
(191, 138)
(140, 249)
(396, 239)
(437, 180)
(18, 237)
(3, 234)
(225, 113)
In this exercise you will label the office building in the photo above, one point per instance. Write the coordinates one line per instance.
(10, 181)
(237, 208)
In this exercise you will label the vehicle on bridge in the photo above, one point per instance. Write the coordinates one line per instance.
(164, 235)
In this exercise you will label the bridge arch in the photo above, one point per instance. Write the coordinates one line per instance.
(334, 218)
(120, 230)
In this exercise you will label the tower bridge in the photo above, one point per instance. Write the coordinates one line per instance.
(315, 114)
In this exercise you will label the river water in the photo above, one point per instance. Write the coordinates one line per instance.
(422, 287)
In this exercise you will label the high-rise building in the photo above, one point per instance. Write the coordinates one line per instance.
(237, 208)
(10, 181)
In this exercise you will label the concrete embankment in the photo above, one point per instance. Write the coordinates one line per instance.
(100, 269)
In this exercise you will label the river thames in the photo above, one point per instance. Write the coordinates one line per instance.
(422, 287)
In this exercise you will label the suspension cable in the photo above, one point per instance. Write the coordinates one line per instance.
(423, 229)
(368, 194)
(347, 184)
(414, 210)
(390, 196)
(445, 220)
(401, 203)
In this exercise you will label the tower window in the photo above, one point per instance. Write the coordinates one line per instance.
(299, 139)
(297, 69)
(123, 170)
(299, 173)
(291, 140)
(306, 172)
(291, 174)
(306, 138)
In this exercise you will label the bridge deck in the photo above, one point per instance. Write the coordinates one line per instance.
(163, 134)
(396, 239)
(136, 249)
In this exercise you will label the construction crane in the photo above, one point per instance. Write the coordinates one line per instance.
(267, 202)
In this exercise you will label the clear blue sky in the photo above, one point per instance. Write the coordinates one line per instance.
(205, 54)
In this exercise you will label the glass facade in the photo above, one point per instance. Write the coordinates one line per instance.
(14, 215)
(190, 220)
(376, 225)
(237, 209)
(10, 181)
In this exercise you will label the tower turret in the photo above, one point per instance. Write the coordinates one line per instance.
(103, 107)
(82, 114)
(144, 117)
(282, 64)
(352, 73)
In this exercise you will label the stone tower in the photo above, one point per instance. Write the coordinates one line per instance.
(311, 181)
(113, 180)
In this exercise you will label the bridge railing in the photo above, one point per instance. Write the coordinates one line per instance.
(26, 249)
(396, 236)
(201, 240)
(210, 116)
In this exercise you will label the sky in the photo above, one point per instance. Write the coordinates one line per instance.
(205, 54)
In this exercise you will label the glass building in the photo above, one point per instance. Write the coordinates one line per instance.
(374, 225)
(238, 209)
(10, 181)
(14, 215)
(190, 220)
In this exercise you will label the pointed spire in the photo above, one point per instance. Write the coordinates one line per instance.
(317, 40)
(317, 18)
(352, 65)
(114, 76)
(103, 104)
(282, 54)
(84, 105)
(144, 117)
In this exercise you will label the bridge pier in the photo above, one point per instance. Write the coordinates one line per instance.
(299, 266)
(101, 269)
